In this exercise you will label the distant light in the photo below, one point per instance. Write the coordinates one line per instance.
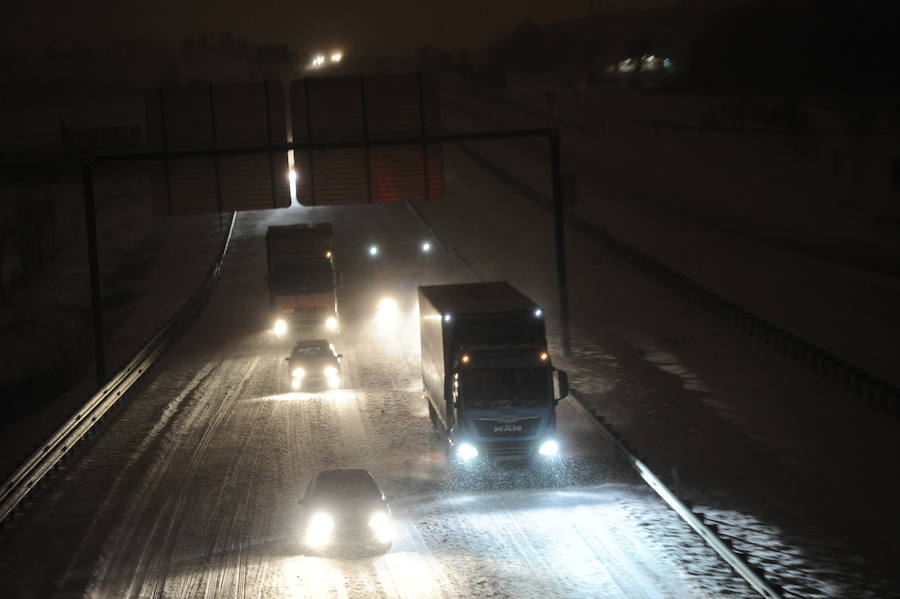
(373, 250)
(544, 356)
(426, 246)
(538, 312)
(280, 327)
(336, 56)
(388, 311)
(328, 254)
(465, 359)
(447, 317)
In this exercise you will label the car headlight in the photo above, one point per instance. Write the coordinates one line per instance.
(380, 524)
(466, 452)
(549, 448)
(298, 373)
(280, 327)
(318, 532)
(330, 371)
(331, 323)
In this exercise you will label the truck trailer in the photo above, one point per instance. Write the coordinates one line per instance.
(489, 381)
(302, 277)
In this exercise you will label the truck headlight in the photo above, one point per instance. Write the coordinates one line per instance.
(334, 382)
(318, 532)
(298, 373)
(330, 371)
(549, 448)
(295, 384)
(466, 452)
(380, 524)
(331, 323)
(280, 327)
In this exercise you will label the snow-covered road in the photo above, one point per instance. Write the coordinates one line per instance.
(191, 490)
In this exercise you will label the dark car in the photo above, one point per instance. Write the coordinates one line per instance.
(345, 509)
(314, 364)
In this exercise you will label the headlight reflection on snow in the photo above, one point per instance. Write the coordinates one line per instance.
(328, 396)
(410, 574)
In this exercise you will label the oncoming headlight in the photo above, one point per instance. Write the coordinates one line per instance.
(330, 371)
(280, 327)
(318, 533)
(466, 452)
(298, 373)
(549, 448)
(380, 524)
(331, 323)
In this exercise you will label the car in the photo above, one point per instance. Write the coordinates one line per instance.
(314, 364)
(345, 510)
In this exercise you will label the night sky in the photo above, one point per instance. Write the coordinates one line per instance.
(383, 27)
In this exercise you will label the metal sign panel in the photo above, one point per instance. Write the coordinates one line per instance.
(217, 116)
(369, 111)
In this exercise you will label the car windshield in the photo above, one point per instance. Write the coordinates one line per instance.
(343, 486)
(497, 388)
(312, 351)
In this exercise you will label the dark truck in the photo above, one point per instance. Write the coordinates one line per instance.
(302, 278)
(489, 381)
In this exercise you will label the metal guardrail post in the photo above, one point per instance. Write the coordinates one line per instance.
(90, 220)
(559, 231)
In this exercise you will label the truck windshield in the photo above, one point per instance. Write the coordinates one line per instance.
(498, 388)
(315, 277)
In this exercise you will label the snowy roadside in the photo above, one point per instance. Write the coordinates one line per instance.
(846, 310)
(737, 430)
(150, 265)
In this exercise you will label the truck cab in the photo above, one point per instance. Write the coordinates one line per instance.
(489, 381)
(302, 278)
(504, 403)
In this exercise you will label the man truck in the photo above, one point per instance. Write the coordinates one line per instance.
(302, 278)
(489, 382)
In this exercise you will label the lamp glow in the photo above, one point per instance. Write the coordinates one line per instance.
(466, 452)
(549, 448)
(280, 327)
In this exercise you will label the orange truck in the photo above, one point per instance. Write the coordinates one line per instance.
(302, 278)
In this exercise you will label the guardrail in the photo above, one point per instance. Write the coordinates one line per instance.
(878, 393)
(23, 479)
(753, 576)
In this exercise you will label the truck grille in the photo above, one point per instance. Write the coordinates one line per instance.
(509, 449)
(524, 427)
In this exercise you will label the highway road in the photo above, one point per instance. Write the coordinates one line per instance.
(191, 488)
